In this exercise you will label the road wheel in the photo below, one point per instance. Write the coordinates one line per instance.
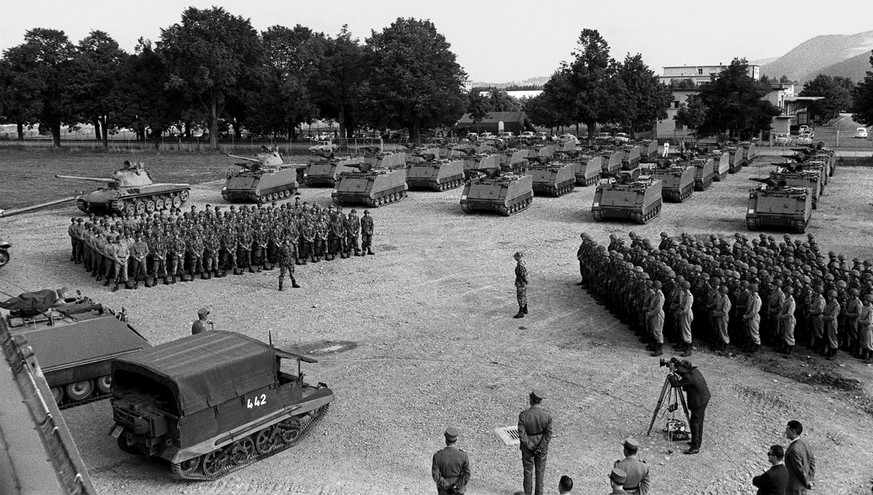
(79, 390)
(150, 206)
(129, 208)
(176, 201)
(139, 207)
(58, 394)
(243, 450)
(263, 441)
(104, 384)
(184, 194)
(214, 462)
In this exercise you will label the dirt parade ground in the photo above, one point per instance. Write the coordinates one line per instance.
(421, 336)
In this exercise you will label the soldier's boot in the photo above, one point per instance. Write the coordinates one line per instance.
(252, 269)
(107, 282)
(115, 287)
(524, 309)
(520, 313)
(301, 262)
(686, 351)
(651, 346)
(370, 251)
(165, 279)
(173, 278)
(658, 350)
(136, 284)
(294, 283)
(280, 284)
(99, 276)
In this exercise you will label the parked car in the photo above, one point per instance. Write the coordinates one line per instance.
(568, 138)
(804, 138)
(543, 136)
(782, 139)
(486, 135)
(622, 138)
(603, 137)
(804, 128)
(861, 133)
(528, 137)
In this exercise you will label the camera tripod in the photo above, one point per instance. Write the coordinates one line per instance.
(674, 398)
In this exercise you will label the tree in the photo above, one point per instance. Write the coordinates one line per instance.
(645, 99)
(501, 101)
(478, 106)
(212, 57)
(693, 114)
(282, 99)
(93, 76)
(415, 81)
(36, 74)
(734, 104)
(338, 78)
(862, 106)
(541, 112)
(837, 93)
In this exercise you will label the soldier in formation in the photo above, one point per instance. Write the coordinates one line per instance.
(171, 246)
(738, 291)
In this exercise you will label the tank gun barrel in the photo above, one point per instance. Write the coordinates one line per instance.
(105, 180)
(252, 160)
(18, 211)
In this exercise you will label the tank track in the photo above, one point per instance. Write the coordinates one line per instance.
(280, 445)
(377, 202)
(514, 208)
(555, 191)
(582, 181)
(679, 196)
(719, 177)
(643, 219)
(702, 185)
(445, 186)
(320, 182)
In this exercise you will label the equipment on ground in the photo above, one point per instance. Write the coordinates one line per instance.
(75, 340)
(810, 179)
(628, 195)
(324, 169)
(588, 169)
(213, 403)
(262, 179)
(131, 191)
(674, 428)
(736, 158)
(4, 252)
(775, 204)
(555, 178)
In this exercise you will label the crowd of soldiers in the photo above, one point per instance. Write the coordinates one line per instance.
(171, 246)
(738, 291)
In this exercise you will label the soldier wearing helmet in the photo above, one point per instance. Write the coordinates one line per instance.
(830, 317)
(520, 284)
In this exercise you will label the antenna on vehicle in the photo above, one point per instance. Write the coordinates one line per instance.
(270, 336)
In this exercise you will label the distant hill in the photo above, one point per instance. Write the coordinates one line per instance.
(533, 81)
(854, 68)
(811, 57)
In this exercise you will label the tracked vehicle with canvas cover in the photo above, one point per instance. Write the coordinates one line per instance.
(736, 158)
(704, 171)
(677, 179)
(776, 205)
(262, 179)
(722, 165)
(74, 339)
(426, 170)
(505, 194)
(380, 180)
(131, 191)
(212, 403)
(627, 195)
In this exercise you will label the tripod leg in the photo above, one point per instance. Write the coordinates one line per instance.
(685, 408)
(664, 392)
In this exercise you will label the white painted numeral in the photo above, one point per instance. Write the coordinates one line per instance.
(259, 401)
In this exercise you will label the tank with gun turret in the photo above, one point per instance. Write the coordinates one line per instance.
(261, 179)
(379, 180)
(775, 204)
(704, 171)
(426, 170)
(5, 245)
(132, 191)
(628, 195)
(490, 190)
(75, 340)
(677, 178)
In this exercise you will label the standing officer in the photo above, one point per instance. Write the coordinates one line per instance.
(200, 323)
(535, 432)
(799, 460)
(138, 252)
(721, 317)
(829, 316)
(788, 321)
(367, 233)
(752, 318)
(287, 260)
(520, 284)
(655, 315)
(637, 472)
(685, 315)
(451, 466)
(692, 381)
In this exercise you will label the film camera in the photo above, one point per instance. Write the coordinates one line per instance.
(669, 363)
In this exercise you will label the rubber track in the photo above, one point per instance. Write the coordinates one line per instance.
(198, 475)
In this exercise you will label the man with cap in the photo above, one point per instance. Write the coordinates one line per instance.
(752, 318)
(200, 323)
(721, 317)
(637, 472)
(367, 233)
(451, 466)
(520, 284)
(865, 329)
(535, 433)
(617, 478)
(689, 378)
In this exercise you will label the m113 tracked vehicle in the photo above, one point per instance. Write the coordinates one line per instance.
(704, 171)
(380, 180)
(130, 190)
(736, 158)
(555, 178)
(776, 205)
(213, 403)
(810, 179)
(262, 179)
(588, 169)
(677, 178)
(506, 194)
(628, 196)
(428, 171)
(324, 169)
(722, 165)
(74, 339)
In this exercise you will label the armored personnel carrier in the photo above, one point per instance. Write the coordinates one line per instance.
(736, 158)
(774, 204)
(722, 165)
(611, 162)
(475, 164)
(750, 152)
(588, 169)
(631, 157)
(324, 169)
(704, 171)
(380, 180)
(262, 179)
(506, 194)
(186, 402)
(810, 179)
(130, 190)
(74, 339)
(678, 180)
(555, 178)
(628, 195)
(427, 171)
(515, 160)
(649, 150)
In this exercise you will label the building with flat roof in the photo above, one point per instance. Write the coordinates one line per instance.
(700, 74)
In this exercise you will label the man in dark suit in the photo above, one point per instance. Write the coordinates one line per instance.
(775, 480)
(535, 432)
(451, 466)
(799, 460)
(689, 378)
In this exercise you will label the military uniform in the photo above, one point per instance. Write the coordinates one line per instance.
(521, 285)
(138, 253)
(287, 260)
(450, 468)
(637, 480)
(367, 233)
(535, 433)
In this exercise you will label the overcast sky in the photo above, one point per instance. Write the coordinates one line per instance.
(504, 41)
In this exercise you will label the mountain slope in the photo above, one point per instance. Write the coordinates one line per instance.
(813, 55)
(854, 68)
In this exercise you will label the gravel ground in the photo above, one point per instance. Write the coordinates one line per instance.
(430, 342)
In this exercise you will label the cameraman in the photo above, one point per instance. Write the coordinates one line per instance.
(200, 323)
(689, 378)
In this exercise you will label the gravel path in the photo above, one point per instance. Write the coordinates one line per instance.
(431, 343)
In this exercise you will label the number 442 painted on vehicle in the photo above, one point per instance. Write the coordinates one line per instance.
(257, 402)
